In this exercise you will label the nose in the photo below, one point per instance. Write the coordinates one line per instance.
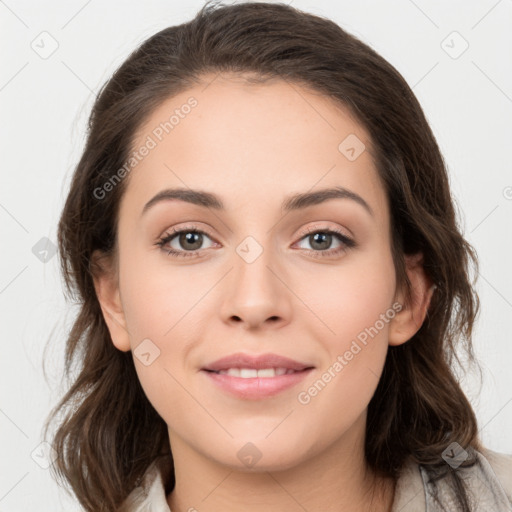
(256, 295)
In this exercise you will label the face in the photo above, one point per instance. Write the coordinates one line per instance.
(310, 280)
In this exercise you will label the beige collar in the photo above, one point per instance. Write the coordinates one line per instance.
(490, 484)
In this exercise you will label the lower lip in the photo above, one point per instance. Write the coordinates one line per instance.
(256, 388)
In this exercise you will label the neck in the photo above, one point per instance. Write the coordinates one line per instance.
(336, 479)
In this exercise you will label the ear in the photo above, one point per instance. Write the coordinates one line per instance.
(409, 319)
(106, 284)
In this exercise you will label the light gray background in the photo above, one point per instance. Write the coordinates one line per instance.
(44, 106)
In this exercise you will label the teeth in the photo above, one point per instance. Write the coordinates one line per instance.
(251, 373)
(245, 373)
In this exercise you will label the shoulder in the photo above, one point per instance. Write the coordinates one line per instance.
(149, 495)
(489, 483)
(498, 471)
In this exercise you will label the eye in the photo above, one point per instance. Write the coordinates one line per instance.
(321, 241)
(190, 240)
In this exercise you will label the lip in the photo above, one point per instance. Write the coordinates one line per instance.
(258, 362)
(256, 388)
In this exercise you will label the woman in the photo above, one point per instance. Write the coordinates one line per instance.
(298, 355)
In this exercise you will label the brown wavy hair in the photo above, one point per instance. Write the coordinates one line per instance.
(108, 432)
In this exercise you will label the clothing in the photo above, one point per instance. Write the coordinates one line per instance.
(490, 483)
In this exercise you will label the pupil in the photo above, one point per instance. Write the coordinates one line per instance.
(189, 238)
(325, 237)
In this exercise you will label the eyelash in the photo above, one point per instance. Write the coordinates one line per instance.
(348, 242)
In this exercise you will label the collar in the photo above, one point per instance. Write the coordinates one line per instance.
(490, 484)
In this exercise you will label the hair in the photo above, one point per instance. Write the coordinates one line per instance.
(108, 433)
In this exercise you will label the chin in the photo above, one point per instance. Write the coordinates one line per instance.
(257, 454)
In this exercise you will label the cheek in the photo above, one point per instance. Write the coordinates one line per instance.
(157, 297)
(157, 318)
(161, 306)
(353, 305)
(349, 298)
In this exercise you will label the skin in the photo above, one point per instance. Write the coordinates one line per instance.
(254, 145)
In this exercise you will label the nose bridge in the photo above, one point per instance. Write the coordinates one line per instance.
(255, 292)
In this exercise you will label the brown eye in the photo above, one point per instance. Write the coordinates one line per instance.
(190, 240)
(183, 242)
(321, 241)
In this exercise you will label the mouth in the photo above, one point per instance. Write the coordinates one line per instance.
(253, 373)
(270, 365)
(248, 377)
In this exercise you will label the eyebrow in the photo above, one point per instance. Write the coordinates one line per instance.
(292, 203)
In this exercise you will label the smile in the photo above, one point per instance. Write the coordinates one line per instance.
(252, 384)
(250, 373)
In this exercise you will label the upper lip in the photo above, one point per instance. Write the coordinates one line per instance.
(259, 362)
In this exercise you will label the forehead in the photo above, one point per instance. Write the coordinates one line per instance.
(252, 143)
